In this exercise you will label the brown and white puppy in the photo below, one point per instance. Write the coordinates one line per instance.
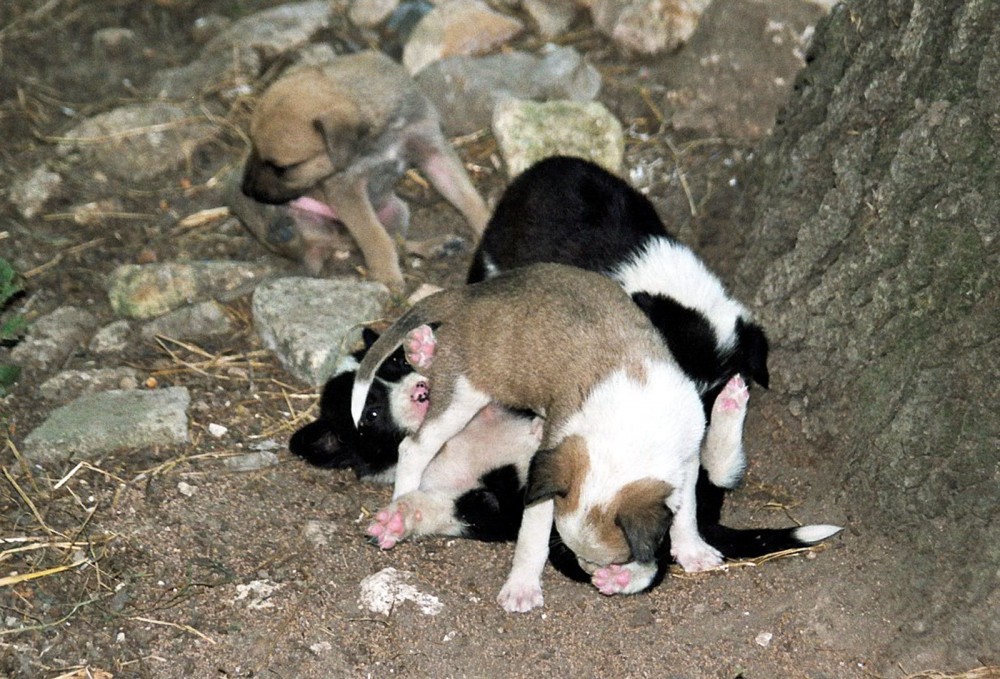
(623, 424)
(341, 135)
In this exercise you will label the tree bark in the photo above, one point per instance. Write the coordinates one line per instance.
(872, 257)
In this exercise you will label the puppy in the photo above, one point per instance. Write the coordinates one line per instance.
(463, 493)
(623, 424)
(341, 136)
(453, 501)
(571, 211)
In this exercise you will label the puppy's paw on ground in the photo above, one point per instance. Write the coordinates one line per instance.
(734, 396)
(520, 597)
(612, 579)
(694, 557)
(391, 525)
(419, 346)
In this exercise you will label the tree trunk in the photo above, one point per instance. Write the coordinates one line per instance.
(872, 257)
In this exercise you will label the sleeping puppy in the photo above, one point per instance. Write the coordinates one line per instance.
(452, 500)
(334, 140)
(623, 424)
(571, 211)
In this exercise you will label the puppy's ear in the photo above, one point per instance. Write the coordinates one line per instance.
(753, 349)
(545, 479)
(644, 518)
(343, 133)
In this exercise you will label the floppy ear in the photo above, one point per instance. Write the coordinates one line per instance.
(544, 479)
(343, 134)
(753, 349)
(643, 517)
(645, 529)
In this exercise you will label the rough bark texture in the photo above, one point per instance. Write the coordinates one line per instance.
(872, 256)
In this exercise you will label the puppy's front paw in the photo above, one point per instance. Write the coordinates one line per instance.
(520, 597)
(390, 525)
(694, 557)
(611, 579)
(419, 346)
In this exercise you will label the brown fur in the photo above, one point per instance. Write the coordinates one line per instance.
(560, 472)
(346, 132)
(586, 323)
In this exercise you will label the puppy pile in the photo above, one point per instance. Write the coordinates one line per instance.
(584, 394)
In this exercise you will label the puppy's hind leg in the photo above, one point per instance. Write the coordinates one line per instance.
(445, 170)
(440, 425)
(722, 451)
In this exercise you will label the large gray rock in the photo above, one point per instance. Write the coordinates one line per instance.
(874, 256)
(466, 90)
(139, 142)
(311, 323)
(103, 422)
(52, 338)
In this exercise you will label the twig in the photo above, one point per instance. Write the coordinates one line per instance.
(24, 577)
(58, 622)
(31, 505)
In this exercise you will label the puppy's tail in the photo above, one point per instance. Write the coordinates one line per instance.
(750, 543)
(424, 312)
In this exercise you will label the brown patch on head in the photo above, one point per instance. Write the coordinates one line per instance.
(636, 521)
(559, 473)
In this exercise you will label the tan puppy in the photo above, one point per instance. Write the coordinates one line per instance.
(623, 424)
(336, 139)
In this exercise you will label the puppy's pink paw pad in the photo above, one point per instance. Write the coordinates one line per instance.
(419, 346)
(734, 396)
(611, 579)
(388, 528)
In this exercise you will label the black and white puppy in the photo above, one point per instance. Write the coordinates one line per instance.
(465, 493)
(568, 210)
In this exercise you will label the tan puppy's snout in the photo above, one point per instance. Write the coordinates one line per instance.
(263, 181)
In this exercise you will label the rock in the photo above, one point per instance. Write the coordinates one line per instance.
(69, 384)
(732, 82)
(370, 13)
(648, 26)
(52, 338)
(552, 17)
(527, 132)
(149, 290)
(30, 194)
(466, 90)
(99, 423)
(233, 59)
(389, 588)
(457, 27)
(205, 319)
(251, 461)
(138, 142)
(112, 338)
(310, 322)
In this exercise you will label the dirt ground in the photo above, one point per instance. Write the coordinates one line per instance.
(258, 574)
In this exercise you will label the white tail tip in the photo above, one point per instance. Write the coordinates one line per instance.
(812, 534)
(358, 396)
